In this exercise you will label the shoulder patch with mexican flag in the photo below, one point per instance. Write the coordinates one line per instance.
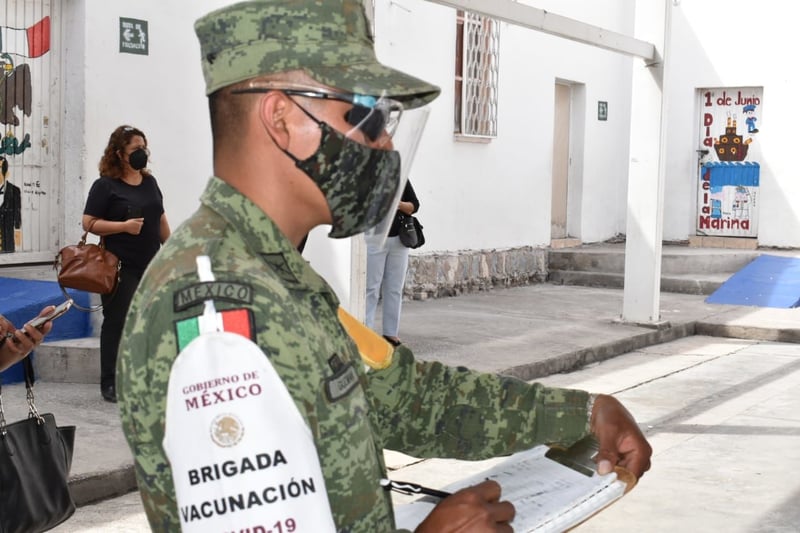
(232, 320)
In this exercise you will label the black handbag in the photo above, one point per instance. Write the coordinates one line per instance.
(410, 231)
(420, 235)
(35, 459)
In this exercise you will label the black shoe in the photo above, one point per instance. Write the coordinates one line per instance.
(109, 394)
(392, 341)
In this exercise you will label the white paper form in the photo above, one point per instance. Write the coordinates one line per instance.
(547, 495)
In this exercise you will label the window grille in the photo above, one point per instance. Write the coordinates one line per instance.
(477, 66)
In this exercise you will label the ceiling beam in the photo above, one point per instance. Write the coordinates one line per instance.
(540, 20)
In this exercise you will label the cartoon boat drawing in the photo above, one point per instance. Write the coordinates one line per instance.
(731, 146)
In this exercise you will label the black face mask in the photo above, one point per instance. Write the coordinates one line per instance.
(359, 182)
(138, 159)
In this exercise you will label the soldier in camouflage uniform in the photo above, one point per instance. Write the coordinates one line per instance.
(276, 177)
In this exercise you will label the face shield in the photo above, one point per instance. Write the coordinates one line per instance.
(390, 136)
(363, 159)
(374, 118)
(404, 139)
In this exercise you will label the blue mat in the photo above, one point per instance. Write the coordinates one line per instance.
(767, 281)
(22, 299)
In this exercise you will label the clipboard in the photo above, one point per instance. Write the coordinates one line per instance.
(552, 489)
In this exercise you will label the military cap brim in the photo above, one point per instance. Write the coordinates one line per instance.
(330, 41)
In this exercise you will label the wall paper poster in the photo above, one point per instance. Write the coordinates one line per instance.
(729, 168)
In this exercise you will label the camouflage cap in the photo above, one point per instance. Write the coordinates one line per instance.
(328, 39)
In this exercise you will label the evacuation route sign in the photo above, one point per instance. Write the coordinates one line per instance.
(133, 36)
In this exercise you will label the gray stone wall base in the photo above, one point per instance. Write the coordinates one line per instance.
(436, 274)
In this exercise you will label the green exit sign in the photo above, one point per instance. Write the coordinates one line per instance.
(133, 36)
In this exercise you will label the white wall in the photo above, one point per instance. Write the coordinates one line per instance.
(161, 93)
(497, 195)
(473, 196)
(735, 44)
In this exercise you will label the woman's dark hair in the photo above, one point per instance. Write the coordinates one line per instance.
(111, 162)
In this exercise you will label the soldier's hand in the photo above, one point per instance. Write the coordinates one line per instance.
(621, 441)
(475, 509)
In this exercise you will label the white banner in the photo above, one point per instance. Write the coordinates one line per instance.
(242, 456)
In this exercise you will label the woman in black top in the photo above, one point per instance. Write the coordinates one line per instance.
(126, 207)
(386, 272)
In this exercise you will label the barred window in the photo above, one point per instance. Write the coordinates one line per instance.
(477, 50)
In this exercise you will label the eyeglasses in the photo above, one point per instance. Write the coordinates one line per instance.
(372, 116)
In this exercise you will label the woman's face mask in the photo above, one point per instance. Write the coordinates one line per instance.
(359, 182)
(138, 159)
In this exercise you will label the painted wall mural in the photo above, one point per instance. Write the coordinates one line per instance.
(729, 168)
(10, 211)
(17, 46)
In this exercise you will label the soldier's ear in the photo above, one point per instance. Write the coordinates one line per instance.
(273, 112)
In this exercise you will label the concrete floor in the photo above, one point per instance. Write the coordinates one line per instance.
(722, 415)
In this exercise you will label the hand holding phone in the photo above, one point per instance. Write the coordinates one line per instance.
(59, 310)
(134, 220)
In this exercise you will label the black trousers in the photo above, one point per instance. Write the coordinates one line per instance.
(115, 307)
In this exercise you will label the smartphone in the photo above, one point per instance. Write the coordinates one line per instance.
(60, 309)
(134, 212)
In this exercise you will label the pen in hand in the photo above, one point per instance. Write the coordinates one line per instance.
(412, 489)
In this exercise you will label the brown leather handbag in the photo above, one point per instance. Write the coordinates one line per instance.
(88, 267)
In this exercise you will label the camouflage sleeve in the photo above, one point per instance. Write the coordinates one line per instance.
(146, 356)
(426, 409)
